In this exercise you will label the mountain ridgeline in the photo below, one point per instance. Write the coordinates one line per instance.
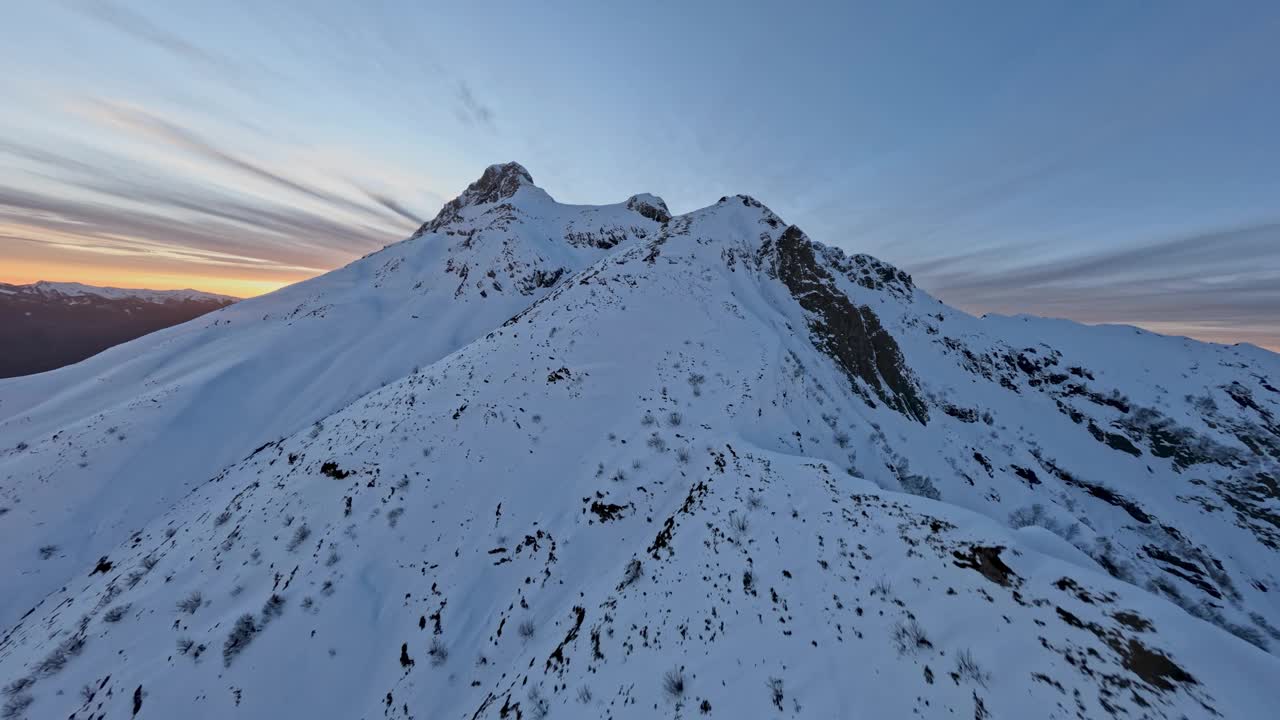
(547, 460)
(45, 325)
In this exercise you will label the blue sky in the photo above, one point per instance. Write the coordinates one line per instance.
(1108, 162)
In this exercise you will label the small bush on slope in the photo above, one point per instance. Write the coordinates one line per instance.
(243, 632)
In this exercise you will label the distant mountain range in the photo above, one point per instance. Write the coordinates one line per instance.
(543, 460)
(46, 325)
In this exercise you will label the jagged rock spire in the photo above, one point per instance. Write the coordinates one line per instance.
(497, 183)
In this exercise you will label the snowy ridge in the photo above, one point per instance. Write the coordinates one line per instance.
(111, 442)
(714, 469)
(74, 289)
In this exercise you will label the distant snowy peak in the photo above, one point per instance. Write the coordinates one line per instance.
(75, 290)
(48, 325)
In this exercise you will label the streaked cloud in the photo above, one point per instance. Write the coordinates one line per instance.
(136, 26)
(470, 110)
(1220, 284)
(1034, 161)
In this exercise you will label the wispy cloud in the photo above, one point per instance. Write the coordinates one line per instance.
(96, 201)
(1216, 282)
(394, 206)
(163, 130)
(470, 110)
(138, 27)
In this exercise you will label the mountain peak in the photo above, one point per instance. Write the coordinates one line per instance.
(498, 182)
(650, 206)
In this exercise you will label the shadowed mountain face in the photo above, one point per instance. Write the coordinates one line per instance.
(45, 326)
(546, 460)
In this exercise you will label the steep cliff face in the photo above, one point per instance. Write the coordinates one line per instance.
(851, 335)
(713, 469)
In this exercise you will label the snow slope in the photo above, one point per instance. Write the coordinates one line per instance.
(109, 443)
(721, 470)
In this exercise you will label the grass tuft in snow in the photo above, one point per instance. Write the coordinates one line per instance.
(272, 609)
(775, 691)
(438, 652)
(191, 604)
(57, 659)
(116, 614)
(15, 706)
(673, 684)
(910, 638)
(968, 668)
(299, 536)
(882, 587)
(635, 569)
(739, 526)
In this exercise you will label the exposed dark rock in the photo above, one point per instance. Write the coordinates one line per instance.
(1183, 569)
(1102, 493)
(1244, 398)
(539, 279)
(1133, 621)
(607, 511)
(649, 206)
(982, 460)
(963, 414)
(557, 659)
(1115, 441)
(1027, 474)
(986, 560)
(497, 183)
(331, 469)
(1068, 585)
(1253, 499)
(851, 335)
(603, 238)
(1154, 667)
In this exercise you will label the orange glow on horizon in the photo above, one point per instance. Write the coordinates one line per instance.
(21, 271)
(25, 272)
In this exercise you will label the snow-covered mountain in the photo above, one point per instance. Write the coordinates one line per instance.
(624, 464)
(110, 443)
(46, 325)
(69, 290)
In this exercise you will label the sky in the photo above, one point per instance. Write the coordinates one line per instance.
(1102, 161)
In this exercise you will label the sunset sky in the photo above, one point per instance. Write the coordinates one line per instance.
(1106, 162)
